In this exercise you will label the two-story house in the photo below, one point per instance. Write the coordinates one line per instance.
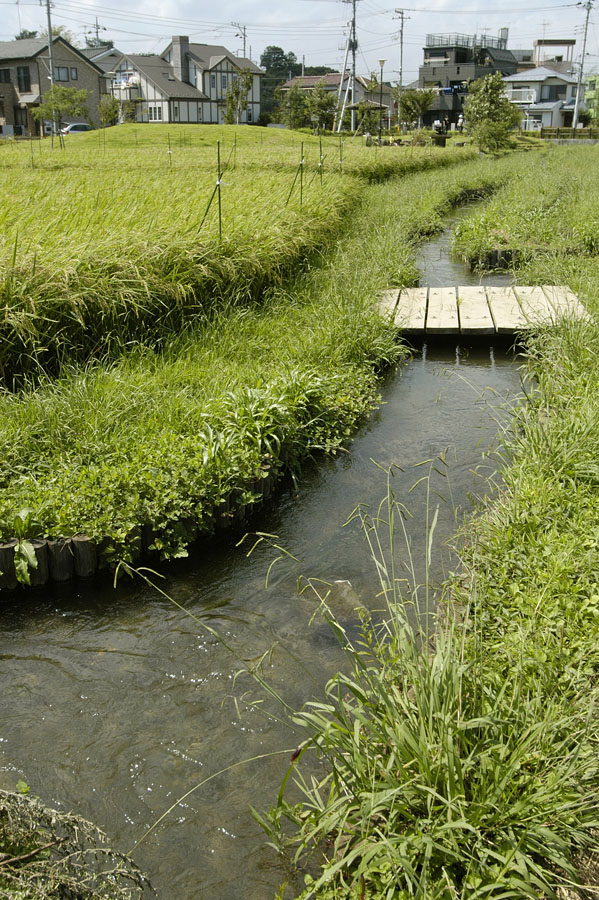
(452, 61)
(546, 97)
(25, 79)
(187, 83)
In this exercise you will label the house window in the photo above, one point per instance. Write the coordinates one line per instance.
(213, 80)
(61, 73)
(457, 70)
(249, 115)
(74, 76)
(5, 76)
(151, 113)
(23, 79)
(20, 116)
(223, 82)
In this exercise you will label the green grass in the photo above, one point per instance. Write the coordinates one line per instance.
(159, 438)
(119, 245)
(550, 206)
(466, 765)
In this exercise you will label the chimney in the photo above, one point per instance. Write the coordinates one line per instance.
(180, 59)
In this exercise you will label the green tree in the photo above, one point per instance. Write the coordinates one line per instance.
(60, 31)
(24, 35)
(279, 67)
(321, 106)
(488, 114)
(292, 107)
(110, 109)
(237, 96)
(59, 102)
(413, 104)
(368, 117)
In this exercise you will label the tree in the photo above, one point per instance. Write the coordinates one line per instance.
(292, 107)
(320, 106)
(110, 109)
(25, 35)
(237, 96)
(368, 117)
(61, 101)
(279, 67)
(60, 31)
(488, 114)
(413, 104)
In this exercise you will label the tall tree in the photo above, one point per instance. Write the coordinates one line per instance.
(488, 113)
(24, 35)
(237, 97)
(279, 67)
(292, 107)
(413, 105)
(321, 106)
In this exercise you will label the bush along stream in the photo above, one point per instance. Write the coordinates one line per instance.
(150, 451)
(471, 769)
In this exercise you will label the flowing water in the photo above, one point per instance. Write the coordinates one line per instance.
(115, 703)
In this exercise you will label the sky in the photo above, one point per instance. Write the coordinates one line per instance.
(313, 29)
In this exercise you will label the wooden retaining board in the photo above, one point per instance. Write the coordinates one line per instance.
(479, 309)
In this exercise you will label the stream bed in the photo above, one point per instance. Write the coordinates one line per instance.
(115, 703)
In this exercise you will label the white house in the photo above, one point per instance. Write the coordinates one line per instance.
(186, 83)
(545, 96)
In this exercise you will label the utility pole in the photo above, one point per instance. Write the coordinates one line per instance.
(353, 43)
(401, 16)
(50, 46)
(586, 6)
(241, 33)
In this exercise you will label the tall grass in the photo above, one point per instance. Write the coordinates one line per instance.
(158, 438)
(449, 770)
(113, 241)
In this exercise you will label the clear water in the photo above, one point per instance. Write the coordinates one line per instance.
(115, 703)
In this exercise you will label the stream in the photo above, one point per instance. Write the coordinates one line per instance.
(115, 703)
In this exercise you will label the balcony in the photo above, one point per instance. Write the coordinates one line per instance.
(521, 95)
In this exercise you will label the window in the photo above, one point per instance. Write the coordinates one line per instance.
(553, 92)
(5, 76)
(158, 113)
(61, 73)
(223, 82)
(213, 80)
(249, 115)
(23, 79)
(150, 113)
(74, 74)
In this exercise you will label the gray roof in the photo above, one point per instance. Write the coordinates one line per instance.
(540, 74)
(31, 47)
(211, 54)
(501, 55)
(160, 73)
(22, 49)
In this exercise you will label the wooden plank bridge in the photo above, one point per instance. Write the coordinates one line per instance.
(478, 309)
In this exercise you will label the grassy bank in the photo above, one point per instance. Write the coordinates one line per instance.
(163, 439)
(123, 243)
(471, 770)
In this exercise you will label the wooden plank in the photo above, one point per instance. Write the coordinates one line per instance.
(388, 302)
(473, 310)
(505, 310)
(410, 313)
(442, 314)
(535, 305)
(564, 302)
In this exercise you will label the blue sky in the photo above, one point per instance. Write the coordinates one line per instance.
(315, 29)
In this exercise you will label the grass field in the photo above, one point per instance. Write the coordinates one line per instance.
(162, 438)
(114, 239)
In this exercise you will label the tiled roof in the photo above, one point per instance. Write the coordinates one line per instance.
(160, 73)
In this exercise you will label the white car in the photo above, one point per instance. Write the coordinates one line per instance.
(76, 128)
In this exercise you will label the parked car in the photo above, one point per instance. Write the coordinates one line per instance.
(76, 128)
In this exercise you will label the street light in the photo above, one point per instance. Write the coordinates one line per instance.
(381, 64)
